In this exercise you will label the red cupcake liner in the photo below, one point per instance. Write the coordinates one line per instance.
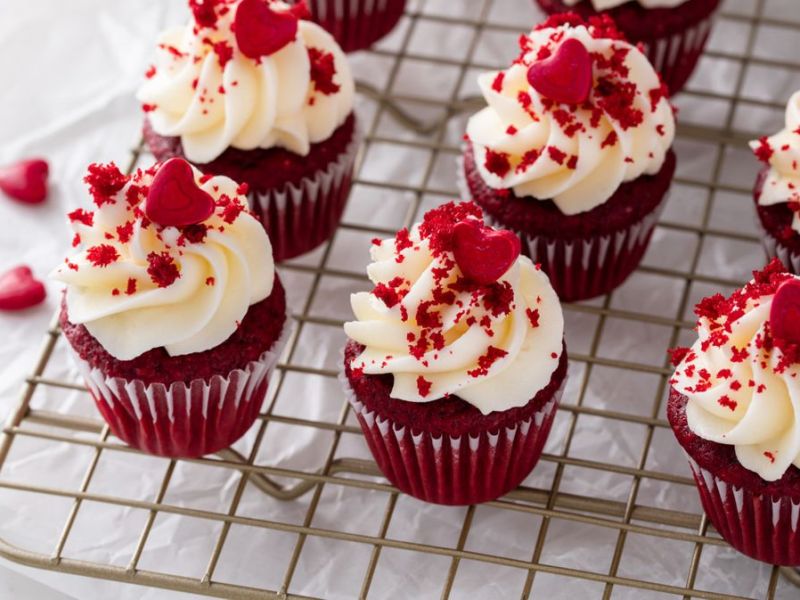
(774, 249)
(585, 268)
(184, 420)
(676, 56)
(357, 24)
(455, 470)
(298, 218)
(760, 526)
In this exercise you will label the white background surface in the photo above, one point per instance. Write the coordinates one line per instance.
(69, 70)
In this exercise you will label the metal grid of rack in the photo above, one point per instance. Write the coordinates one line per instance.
(393, 125)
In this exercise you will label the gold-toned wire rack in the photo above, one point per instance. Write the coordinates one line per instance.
(392, 123)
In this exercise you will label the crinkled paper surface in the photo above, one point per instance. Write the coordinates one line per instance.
(69, 71)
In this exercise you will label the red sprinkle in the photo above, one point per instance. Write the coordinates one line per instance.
(102, 255)
(162, 269)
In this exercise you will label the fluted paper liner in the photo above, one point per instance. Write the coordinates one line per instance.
(455, 470)
(676, 56)
(298, 218)
(179, 419)
(762, 527)
(357, 24)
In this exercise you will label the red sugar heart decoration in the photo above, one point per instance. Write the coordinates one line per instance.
(784, 316)
(484, 254)
(261, 31)
(175, 199)
(19, 289)
(301, 10)
(565, 76)
(26, 180)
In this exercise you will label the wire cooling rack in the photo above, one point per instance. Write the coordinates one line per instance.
(618, 437)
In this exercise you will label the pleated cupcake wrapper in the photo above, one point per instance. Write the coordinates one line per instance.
(455, 470)
(762, 527)
(773, 248)
(298, 218)
(184, 420)
(675, 57)
(357, 24)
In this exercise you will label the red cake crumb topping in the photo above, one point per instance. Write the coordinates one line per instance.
(224, 52)
(104, 182)
(763, 151)
(497, 83)
(423, 386)
(323, 70)
(130, 290)
(162, 269)
(204, 11)
(497, 163)
(102, 255)
(81, 216)
(486, 361)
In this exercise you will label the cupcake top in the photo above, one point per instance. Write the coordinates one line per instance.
(457, 310)
(741, 376)
(168, 257)
(781, 153)
(578, 113)
(247, 74)
(606, 4)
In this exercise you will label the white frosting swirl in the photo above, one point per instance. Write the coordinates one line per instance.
(782, 152)
(606, 4)
(740, 394)
(582, 153)
(245, 104)
(528, 354)
(131, 310)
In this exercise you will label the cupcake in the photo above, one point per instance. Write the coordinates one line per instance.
(734, 405)
(673, 33)
(456, 360)
(777, 189)
(356, 24)
(573, 153)
(249, 91)
(172, 309)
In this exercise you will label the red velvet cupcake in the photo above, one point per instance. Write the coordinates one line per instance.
(573, 153)
(172, 308)
(733, 408)
(456, 359)
(673, 33)
(357, 24)
(777, 189)
(249, 91)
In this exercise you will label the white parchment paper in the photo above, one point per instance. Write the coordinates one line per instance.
(69, 70)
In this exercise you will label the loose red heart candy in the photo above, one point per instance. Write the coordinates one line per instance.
(175, 199)
(784, 316)
(484, 254)
(19, 289)
(260, 30)
(566, 76)
(26, 180)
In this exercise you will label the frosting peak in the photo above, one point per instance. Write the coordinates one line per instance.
(438, 331)
(273, 81)
(532, 139)
(137, 284)
(741, 376)
(782, 153)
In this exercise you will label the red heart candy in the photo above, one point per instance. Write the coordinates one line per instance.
(261, 31)
(784, 316)
(175, 199)
(483, 254)
(19, 289)
(565, 76)
(301, 10)
(26, 180)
